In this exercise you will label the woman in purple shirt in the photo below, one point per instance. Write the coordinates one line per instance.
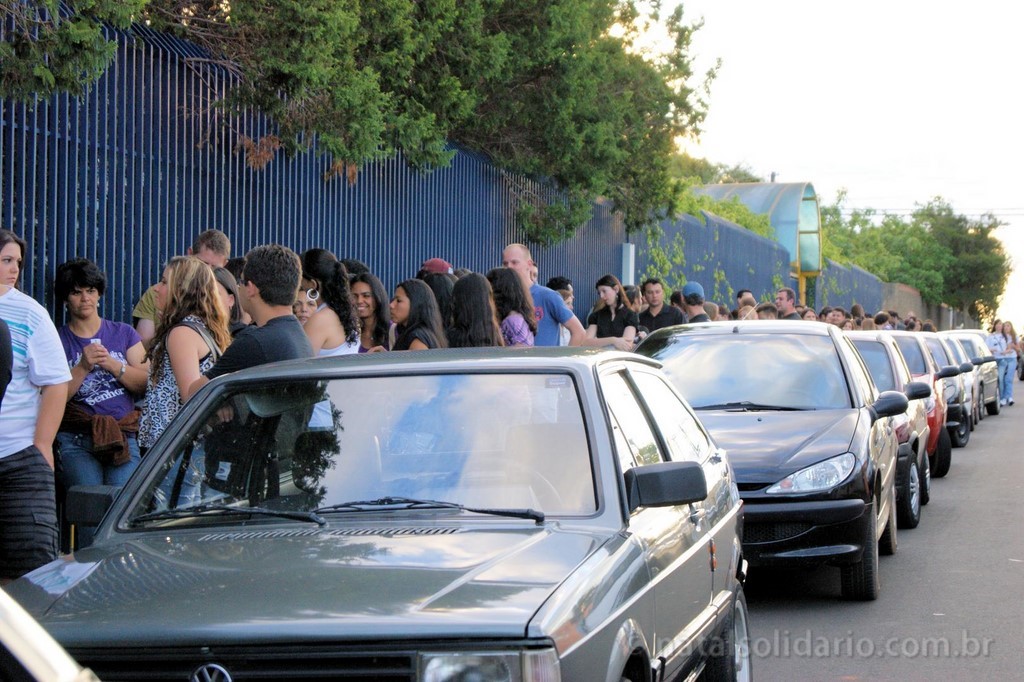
(97, 439)
(514, 306)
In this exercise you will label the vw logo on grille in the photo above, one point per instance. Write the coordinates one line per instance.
(211, 672)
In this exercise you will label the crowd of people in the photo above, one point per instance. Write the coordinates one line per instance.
(82, 403)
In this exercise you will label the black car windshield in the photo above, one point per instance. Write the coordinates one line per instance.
(787, 371)
(488, 442)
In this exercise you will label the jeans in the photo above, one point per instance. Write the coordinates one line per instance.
(79, 467)
(1007, 375)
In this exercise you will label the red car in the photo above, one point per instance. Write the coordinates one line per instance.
(923, 367)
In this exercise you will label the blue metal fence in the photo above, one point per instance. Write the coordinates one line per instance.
(725, 258)
(842, 286)
(131, 172)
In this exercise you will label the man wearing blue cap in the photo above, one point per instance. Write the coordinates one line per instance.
(693, 301)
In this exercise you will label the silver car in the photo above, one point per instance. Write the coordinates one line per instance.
(432, 516)
(973, 342)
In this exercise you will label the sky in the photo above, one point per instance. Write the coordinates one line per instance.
(896, 102)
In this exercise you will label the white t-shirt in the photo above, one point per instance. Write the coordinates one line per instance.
(38, 361)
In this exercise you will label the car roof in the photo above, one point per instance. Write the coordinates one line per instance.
(748, 327)
(555, 359)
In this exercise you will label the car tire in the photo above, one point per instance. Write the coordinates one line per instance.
(861, 581)
(729, 658)
(943, 455)
(926, 480)
(974, 415)
(961, 435)
(908, 510)
(888, 543)
(993, 407)
(979, 407)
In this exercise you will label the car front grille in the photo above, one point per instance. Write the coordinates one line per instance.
(755, 533)
(243, 664)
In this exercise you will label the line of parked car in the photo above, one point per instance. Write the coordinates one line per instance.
(833, 437)
(544, 515)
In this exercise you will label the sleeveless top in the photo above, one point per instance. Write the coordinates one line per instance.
(345, 348)
(162, 397)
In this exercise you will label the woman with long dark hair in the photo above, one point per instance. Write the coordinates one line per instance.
(227, 287)
(612, 323)
(333, 329)
(441, 283)
(370, 299)
(191, 333)
(474, 320)
(514, 306)
(414, 311)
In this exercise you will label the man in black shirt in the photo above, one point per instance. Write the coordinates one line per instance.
(658, 314)
(266, 291)
(693, 300)
(785, 302)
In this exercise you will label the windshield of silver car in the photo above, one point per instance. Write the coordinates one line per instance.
(494, 441)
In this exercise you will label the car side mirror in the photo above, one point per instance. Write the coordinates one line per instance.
(966, 368)
(984, 360)
(665, 484)
(889, 403)
(916, 390)
(86, 505)
(947, 372)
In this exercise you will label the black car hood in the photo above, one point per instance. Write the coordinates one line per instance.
(766, 446)
(303, 584)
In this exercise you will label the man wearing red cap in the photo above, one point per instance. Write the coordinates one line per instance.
(438, 265)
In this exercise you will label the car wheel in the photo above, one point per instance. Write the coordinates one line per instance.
(979, 407)
(926, 479)
(729, 658)
(993, 407)
(961, 435)
(860, 581)
(974, 415)
(887, 544)
(908, 511)
(943, 455)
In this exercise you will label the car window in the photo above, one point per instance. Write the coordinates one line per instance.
(800, 371)
(877, 360)
(973, 346)
(630, 423)
(683, 436)
(913, 354)
(860, 373)
(957, 350)
(938, 352)
(301, 445)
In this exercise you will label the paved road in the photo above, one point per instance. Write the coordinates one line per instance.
(952, 604)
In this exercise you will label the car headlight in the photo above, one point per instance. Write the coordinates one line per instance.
(821, 476)
(534, 665)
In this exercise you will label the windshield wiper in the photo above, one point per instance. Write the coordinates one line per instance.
(203, 509)
(413, 503)
(748, 406)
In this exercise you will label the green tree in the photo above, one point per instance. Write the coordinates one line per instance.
(559, 90)
(46, 51)
(946, 256)
(978, 267)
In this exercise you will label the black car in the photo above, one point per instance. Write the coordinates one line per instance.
(889, 371)
(810, 438)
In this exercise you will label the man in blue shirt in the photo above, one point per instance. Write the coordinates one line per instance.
(548, 306)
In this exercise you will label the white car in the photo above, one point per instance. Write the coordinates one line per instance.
(30, 653)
